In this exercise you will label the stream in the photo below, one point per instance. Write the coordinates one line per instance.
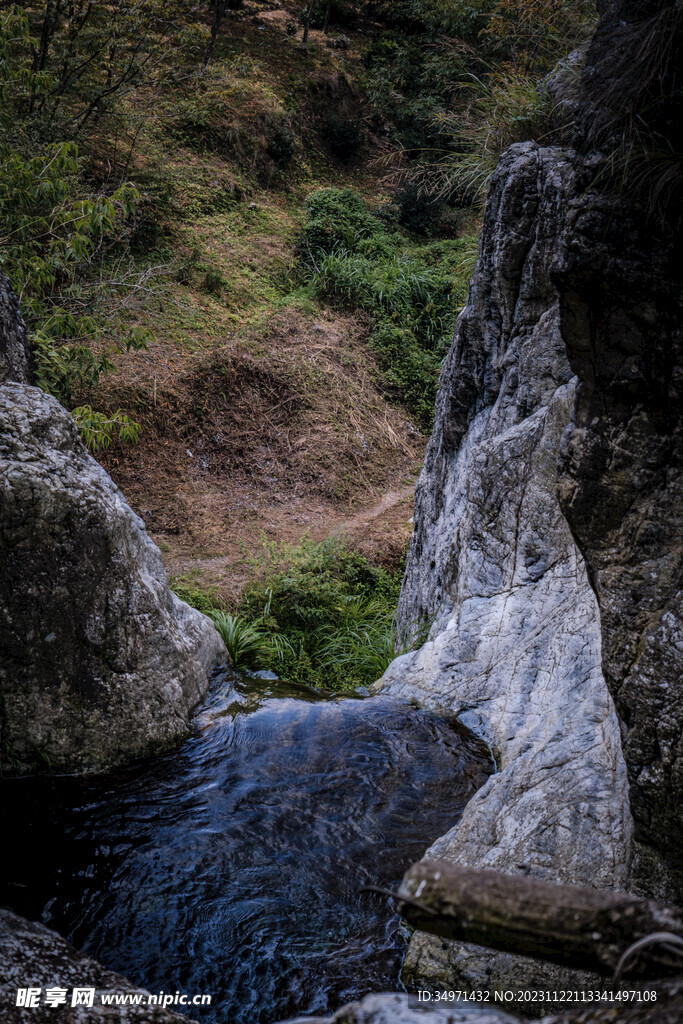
(232, 865)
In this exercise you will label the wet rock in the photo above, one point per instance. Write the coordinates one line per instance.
(514, 649)
(399, 1008)
(32, 956)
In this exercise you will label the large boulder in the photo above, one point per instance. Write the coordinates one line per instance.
(621, 479)
(101, 662)
(556, 591)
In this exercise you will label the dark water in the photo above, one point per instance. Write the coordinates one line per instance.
(232, 866)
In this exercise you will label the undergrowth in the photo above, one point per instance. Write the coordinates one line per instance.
(315, 613)
(412, 291)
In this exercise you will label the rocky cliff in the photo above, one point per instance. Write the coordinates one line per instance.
(555, 592)
(101, 661)
(621, 483)
(515, 646)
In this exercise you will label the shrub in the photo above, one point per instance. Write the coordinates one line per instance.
(419, 212)
(410, 373)
(99, 429)
(281, 145)
(335, 217)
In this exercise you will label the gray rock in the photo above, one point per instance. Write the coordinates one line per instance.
(514, 649)
(338, 42)
(32, 956)
(101, 663)
(621, 489)
(14, 357)
(399, 1008)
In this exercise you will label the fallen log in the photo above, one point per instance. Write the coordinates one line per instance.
(575, 927)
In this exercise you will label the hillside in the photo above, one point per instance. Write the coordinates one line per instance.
(276, 209)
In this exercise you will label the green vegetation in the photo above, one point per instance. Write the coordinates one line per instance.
(246, 642)
(164, 190)
(413, 290)
(50, 230)
(190, 588)
(461, 81)
(134, 133)
(315, 613)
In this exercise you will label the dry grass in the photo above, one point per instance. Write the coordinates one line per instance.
(278, 432)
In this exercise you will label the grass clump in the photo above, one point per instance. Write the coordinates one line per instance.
(326, 614)
(412, 291)
(245, 641)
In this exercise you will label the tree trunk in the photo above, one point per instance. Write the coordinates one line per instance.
(307, 22)
(219, 7)
(575, 927)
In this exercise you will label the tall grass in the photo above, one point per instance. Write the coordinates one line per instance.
(413, 291)
(245, 641)
(322, 614)
(315, 613)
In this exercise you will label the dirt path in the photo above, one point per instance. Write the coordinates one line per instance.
(380, 531)
(363, 518)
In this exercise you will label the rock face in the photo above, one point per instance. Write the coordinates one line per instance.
(14, 361)
(621, 480)
(514, 649)
(101, 662)
(32, 956)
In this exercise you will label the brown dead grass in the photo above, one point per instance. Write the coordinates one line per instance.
(278, 433)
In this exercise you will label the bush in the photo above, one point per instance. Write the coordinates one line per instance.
(281, 145)
(98, 429)
(419, 212)
(335, 217)
(410, 373)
